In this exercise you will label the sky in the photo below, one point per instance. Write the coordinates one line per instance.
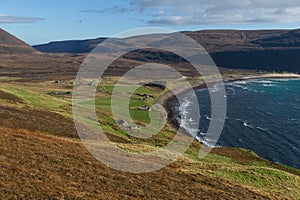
(42, 21)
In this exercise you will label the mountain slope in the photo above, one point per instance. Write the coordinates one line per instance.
(9, 44)
(271, 50)
(256, 49)
(71, 46)
(212, 40)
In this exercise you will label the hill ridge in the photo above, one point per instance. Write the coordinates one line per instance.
(271, 50)
(10, 44)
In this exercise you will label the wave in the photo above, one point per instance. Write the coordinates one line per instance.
(183, 107)
(186, 120)
(207, 117)
(262, 129)
(285, 79)
(241, 86)
(269, 85)
(241, 82)
(264, 81)
(207, 142)
(248, 125)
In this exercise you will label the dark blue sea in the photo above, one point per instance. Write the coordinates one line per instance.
(262, 115)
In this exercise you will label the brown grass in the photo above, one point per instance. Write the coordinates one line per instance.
(10, 98)
(34, 165)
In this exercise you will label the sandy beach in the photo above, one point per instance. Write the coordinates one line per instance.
(277, 75)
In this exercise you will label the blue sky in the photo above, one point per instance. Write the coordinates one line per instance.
(37, 21)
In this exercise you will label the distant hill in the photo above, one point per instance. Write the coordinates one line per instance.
(277, 50)
(71, 46)
(246, 49)
(9, 44)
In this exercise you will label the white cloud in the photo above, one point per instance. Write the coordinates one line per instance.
(114, 10)
(5, 19)
(196, 12)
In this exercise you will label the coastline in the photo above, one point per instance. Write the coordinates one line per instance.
(168, 99)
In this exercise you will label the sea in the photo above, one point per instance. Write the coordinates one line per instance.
(263, 115)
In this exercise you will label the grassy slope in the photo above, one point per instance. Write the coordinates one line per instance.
(32, 158)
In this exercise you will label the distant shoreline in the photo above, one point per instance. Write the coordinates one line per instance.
(275, 76)
(168, 99)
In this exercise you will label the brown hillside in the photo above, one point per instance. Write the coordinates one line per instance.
(30, 161)
(9, 44)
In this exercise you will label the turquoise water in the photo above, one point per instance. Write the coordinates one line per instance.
(262, 115)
